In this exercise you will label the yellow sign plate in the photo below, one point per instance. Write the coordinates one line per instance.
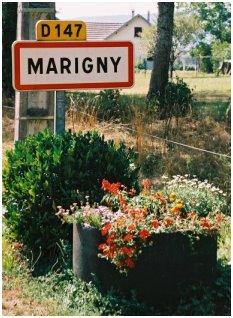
(55, 30)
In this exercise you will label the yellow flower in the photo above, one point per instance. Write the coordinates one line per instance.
(179, 205)
(172, 197)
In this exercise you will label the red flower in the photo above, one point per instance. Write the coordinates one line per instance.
(105, 184)
(128, 237)
(111, 187)
(127, 251)
(112, 247)
(205, 223)
(130, 263)
(146, 184)
(155, 223)
(144, 234)
(106, 228)
(111, 238)
(131, 227)
(102, 246)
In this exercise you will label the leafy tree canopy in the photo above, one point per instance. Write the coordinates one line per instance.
(215, 18)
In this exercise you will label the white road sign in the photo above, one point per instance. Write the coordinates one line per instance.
(72, 65)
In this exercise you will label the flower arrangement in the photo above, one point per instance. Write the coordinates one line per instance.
(129, 221)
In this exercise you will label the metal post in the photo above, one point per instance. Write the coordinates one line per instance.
(60, 112)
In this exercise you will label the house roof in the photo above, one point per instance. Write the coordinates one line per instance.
(102, 30)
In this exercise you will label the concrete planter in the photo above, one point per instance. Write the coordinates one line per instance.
(161, 271)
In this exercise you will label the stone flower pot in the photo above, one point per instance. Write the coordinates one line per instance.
(161, 270)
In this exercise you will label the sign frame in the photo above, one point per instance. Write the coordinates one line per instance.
(18, 45)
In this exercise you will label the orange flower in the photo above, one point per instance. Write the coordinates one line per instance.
(155, 223)
(191, 215)
(128, 237)
(106, 228)
(122, 200)
(120, 221)
(160, 197)
(126, 250)
(219, 218)
(175, 210)
(146, 184)
(130, 263)
(144, 234)
(168, 221)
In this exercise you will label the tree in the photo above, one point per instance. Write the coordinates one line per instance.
(214, 45)
(159, 75)
(186, 32)
(9, 25)
(215, 18)
(185, 35)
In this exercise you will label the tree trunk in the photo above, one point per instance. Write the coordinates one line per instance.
(159, 76)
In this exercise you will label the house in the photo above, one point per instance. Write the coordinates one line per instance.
(128, 31)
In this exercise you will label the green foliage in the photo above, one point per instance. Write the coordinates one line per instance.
(175, 101)
(46, 170)
(200, 300)
(215, 18)
(215, 170)
(201, 197)
(108, 105)
(9, 21)
(212, 109)
(141, 65)
(203, 51)
(221, 51)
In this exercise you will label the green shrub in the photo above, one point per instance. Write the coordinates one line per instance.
(176, 100)
(46, 170)
(108, 105)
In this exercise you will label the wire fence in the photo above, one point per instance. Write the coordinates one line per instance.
(158, 138)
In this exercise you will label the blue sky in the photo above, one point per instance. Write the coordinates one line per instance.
(71, 10)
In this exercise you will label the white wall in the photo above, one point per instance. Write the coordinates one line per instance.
(126, 33)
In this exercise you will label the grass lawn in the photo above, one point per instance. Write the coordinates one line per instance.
(205, 86)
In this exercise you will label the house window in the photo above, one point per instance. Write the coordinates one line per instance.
(137, 31)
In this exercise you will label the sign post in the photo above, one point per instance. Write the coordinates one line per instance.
(34, 110)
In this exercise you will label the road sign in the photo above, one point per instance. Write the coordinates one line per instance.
(55, 30)
(72, 65)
